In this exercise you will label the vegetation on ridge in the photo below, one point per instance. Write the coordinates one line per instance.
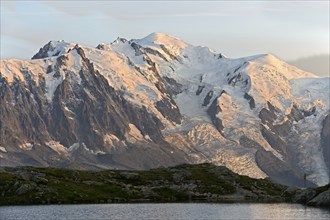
(183, 183)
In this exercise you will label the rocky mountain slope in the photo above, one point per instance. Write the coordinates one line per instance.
(159, 101)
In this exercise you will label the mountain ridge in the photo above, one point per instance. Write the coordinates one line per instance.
(159, 101)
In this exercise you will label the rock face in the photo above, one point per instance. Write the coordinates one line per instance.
(159, 101)
(325, 140)
(322, 199)
(84, 109)
(314, 197)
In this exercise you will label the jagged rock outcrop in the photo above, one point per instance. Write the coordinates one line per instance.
(81, 113)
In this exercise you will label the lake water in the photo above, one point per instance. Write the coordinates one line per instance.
(165, 211)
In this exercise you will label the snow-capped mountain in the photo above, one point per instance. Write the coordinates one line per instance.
(159, 101)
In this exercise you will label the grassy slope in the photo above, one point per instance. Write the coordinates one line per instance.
(203, 182)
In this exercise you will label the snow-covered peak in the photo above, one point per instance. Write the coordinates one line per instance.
(158, 40)
(269, 79)
(161, 38)
(60, 44)
(271, 62)
(53, 48)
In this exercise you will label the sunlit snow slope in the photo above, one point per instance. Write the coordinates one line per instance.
(159, 101)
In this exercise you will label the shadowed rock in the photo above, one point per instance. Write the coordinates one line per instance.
(212, 111)
(279, 171)
(325, 140)
(250, 100)
(207, 98)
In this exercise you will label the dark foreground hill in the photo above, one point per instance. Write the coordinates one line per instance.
(204, 182)
(184, 183)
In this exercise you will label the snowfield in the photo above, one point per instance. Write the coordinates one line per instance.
(240, 88)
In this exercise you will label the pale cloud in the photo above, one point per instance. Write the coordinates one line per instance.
(8, 6)
(147, 9)
(238, 28)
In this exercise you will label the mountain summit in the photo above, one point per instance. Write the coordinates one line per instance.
(158, 101)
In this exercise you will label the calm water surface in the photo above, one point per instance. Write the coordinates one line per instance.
(165, 211)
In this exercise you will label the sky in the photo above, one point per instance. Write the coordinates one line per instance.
(287, 29)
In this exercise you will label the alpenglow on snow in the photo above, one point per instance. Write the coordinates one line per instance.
(159, 101)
